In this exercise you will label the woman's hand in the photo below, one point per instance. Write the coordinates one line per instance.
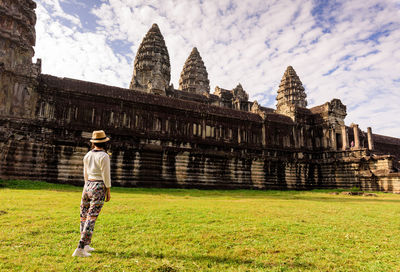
(108, 194)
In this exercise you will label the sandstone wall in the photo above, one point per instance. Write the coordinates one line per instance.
(164, 142)
(151, 165)
(387, 145)
(147, 163)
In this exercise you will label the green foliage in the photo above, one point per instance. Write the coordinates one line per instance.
(356, 189)
(170, 230)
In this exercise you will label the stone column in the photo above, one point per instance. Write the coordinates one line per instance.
(301, 141)
(345, 142)
(324, 138)
(203, 129)
(333, 139)
(370, 140)
(295, 139)
(264, 135)
(356, 137)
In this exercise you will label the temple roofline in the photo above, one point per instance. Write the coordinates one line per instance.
(129, 95)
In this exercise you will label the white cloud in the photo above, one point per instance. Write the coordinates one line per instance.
(66, 52)
(57, 12)
(246, 41)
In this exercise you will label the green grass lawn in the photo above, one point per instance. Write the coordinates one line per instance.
(197, 230)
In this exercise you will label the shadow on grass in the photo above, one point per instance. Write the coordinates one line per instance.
(313, 195)
(204, 259)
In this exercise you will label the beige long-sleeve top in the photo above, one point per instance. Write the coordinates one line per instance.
(96, 166)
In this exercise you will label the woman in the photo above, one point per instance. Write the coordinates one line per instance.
(96, 171)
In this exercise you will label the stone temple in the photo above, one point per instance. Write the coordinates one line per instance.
(183, 138)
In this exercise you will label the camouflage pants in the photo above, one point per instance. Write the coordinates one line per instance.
(93, 196)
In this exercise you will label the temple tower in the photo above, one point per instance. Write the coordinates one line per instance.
(194, 76)
(240, 93)
(291, 93)
(152, 69)
(17, 73)
(240, 98)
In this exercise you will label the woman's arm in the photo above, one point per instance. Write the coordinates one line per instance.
(85, 175)
(105, 172)
(108, 194)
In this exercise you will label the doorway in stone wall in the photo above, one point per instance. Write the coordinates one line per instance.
(339, 142)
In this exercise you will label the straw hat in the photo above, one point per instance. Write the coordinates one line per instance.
(99, 136)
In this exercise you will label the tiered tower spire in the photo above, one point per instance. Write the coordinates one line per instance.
(17, 34)
(291, 92)
(18, 75)
(152, 69)
(194, 76)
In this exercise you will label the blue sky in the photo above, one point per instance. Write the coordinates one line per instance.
(340, 49)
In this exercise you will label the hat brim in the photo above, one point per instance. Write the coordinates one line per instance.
(99, 141)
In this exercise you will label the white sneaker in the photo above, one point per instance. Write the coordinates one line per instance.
(88, 248)
(80, 252)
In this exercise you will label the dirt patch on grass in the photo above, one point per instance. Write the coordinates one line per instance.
(166, 268)
(354, 193)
